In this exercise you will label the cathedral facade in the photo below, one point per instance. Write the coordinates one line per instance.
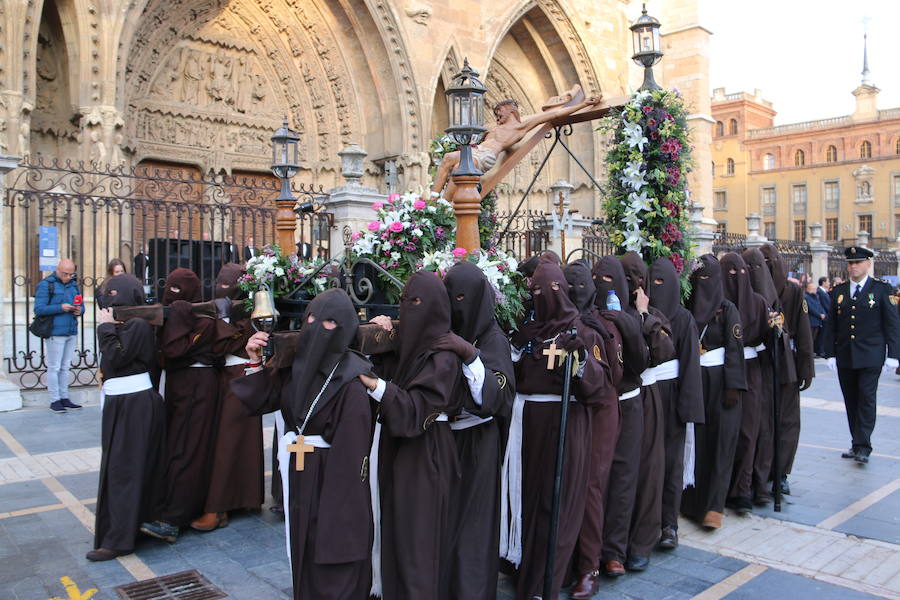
(202, 84)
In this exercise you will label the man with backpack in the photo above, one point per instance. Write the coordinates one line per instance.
(58, 297)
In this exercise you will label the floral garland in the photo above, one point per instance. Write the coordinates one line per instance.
(411, 233)
(647, 197)
(279, 273)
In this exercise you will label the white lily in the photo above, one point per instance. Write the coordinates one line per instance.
(639, 202)
(634, 136)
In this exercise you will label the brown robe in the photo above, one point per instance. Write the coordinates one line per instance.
(236, 480)
(191, 412)
(595, 398)
(133, 430)
(331, 494)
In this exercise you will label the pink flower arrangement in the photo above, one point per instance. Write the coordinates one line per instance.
(396, 227)
(393, 198)
(419, 205)
(374, 226)
(377, 205)
(355, 236)
(460, 252)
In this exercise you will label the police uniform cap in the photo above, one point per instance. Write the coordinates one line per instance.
(857, 253)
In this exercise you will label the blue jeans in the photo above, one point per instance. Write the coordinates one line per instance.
(59, 361)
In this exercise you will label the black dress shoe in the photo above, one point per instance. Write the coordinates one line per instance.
(762, 499)
(637, 563)
(851, 453)
(861, 458)
(669, 539)
(102, 554)
(740, 504)
(785, 487)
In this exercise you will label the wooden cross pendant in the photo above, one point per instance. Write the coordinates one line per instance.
(551, 353)
(300, 448)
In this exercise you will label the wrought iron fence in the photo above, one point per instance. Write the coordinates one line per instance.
(153, 219)
(595, 243)
(796, 255)
(524, 234)
(729, 242)
(885, 263)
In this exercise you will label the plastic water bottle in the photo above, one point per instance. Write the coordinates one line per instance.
(612, 301)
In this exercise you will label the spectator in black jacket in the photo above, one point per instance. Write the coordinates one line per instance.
(817, 313)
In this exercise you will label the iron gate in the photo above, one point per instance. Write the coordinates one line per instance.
(153, 219)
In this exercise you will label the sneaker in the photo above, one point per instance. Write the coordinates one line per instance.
(69, 404)
(160, 530)
(57, 407)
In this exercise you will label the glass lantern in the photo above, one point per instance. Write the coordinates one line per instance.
(285, 158)
(466, 100)
(647, 46)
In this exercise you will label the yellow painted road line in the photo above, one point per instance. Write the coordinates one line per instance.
(860, 505)
(731, 583)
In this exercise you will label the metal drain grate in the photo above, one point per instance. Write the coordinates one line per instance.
(187, 585)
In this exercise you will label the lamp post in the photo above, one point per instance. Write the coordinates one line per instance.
(647, 47)
(285, 164)
(466, 99)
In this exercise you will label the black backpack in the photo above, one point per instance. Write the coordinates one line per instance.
(42, 325)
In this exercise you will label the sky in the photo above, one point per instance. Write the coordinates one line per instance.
(805, 55)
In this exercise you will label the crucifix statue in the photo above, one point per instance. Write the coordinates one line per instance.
(300, 448)
(510, 129)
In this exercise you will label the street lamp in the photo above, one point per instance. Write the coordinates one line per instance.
(647, 47)
(285, 164)
(466, 100)
(285, 159)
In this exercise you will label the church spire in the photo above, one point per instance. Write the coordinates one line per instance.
(865, 71)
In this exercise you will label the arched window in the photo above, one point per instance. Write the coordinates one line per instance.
(831, 154)
(729, 167)
(799, 158)
(713, 169)
(720, 129)
(732, 127)
(865, 149)
(768, 162)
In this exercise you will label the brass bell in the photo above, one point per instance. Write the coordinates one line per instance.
(265, 317)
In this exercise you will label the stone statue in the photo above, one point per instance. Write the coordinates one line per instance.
(98, 148)
(510, 129)
(193, 75)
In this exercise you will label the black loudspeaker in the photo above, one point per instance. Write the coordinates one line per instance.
(203, 257)
(166, 255)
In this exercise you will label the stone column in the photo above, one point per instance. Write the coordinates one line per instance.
(703, 236)
(754, 238)
(352, 202)
(10, 395)
(820, 252)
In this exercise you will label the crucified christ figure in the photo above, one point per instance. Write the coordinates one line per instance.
(510, 129)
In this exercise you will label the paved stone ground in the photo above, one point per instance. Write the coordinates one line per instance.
(837, 537)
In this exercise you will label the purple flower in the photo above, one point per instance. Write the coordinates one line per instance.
(439, 233)
(647, 109)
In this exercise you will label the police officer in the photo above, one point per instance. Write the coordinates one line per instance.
(863, 321)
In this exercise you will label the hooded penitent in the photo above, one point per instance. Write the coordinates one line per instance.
(227, 281)
(554, 312)
(122, 290)
(424, 316)
(581, 286)
(776, 266)
(761, 277)
(738, 289)
(706, 290)
(664, 287)
(608, 274)
(320, 348)
(181, 284)
(471, 300)
(635, 272)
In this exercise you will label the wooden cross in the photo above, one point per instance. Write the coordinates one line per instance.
(300, 448)
(551, 353)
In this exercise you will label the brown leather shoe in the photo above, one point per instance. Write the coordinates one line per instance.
(713, 520)
(102, 554)
(586, 587)
(613, 568)
(210, 521)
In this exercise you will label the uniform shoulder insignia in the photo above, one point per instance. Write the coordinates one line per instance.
(805, 306)
(597, 353)
(736, 332)
(893, 299)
